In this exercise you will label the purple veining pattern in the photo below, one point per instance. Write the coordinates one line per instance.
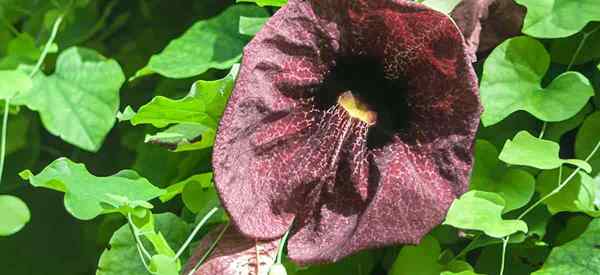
(282, 160)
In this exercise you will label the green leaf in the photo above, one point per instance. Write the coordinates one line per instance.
(13, 82)
(479, 210)
(163, 265)
(213, 43)
(556, 130)
(204, 105)
(579, 257)
(79, 101)
(511, 82)
(198, 192)
(262, 3)
(251, 25)
(20, 50)
(14, 214)
(443, 6)
(579, 195)
(514, 185)
(184, 137)
(558, 18)
(127, 114)
(87, 196)
(121, 257)
(525, 149)
(587, 139)
(419, 260)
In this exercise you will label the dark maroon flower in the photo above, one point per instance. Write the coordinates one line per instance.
(352, 119)
(486, 23)
(233, 254)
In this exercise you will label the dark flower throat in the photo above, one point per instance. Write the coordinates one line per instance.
(364, 78)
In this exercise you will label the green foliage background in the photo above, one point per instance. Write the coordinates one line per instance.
(113, 106)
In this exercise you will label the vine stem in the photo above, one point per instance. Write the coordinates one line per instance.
(3, 143)
(191, 237)
(586, 35)
(504, 244)
(37, 67)
(562, 184)
(210, 249)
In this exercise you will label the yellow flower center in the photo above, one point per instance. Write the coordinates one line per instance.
(357, 109)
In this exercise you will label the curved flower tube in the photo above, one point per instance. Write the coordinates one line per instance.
(352, 123)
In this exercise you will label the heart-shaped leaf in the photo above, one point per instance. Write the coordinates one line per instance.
(558, 18)
(516, 186)
(87, 196)
(479, 210)
(525, 149)
(512, 78)
(79, 101)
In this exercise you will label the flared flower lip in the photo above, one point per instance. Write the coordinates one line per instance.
(280, 159)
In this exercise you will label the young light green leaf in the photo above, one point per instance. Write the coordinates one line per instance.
(579, 257)
(164, 265)
(262, 3)
(14, 214)
(525, 149)
(251, 25)
(220, 40)
(20, 50)
(419, 259)
(579, 195)
(514, 185)
(512, 78)
(123, 246)
(13, 82)
(203, 105)
(198, 192)
(443, 6)
(87, 196)
(79, 101)
(127, 114)
(558, 18)
(587, 139)
(184, 137)
(479, 210)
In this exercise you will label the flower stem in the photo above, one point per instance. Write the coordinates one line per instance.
(281, 245)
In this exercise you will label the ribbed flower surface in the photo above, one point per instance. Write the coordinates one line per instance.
(288, 155)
